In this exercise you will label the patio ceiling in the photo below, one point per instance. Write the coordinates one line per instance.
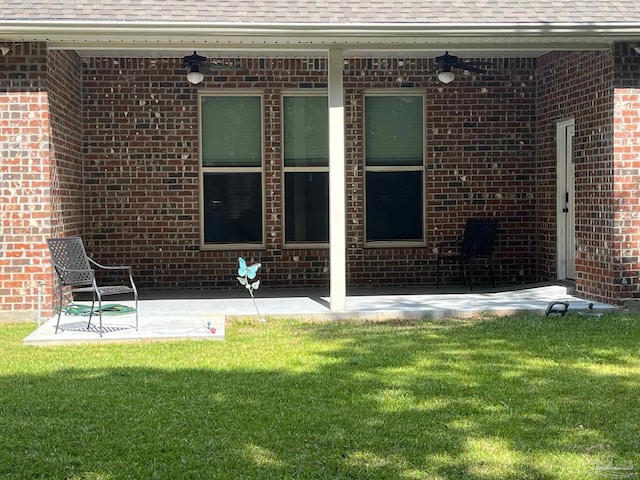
(304, 40)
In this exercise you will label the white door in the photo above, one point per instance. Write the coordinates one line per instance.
(566, 214)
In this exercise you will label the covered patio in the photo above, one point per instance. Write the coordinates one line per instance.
(110, 138)
(192, 315)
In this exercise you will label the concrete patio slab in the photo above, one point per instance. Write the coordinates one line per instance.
(121, 328)
(202, 315)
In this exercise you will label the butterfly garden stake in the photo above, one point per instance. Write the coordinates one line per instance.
(247, 277)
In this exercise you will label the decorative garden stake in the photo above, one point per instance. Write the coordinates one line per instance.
(246, 276)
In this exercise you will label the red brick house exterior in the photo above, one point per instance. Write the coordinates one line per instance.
(106, 146)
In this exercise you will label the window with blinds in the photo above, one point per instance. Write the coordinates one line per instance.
(306, 168)
(394, 168)
(231, 169)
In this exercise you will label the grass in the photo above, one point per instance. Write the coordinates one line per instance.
(523, 397)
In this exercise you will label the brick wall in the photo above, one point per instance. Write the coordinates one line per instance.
(479, 162)
(67, 191)
(40, 174)
(24, 199)
(123, 168)
(141, 143)
(601, 91)
(66, 181)
(626, 155)
(578, 85)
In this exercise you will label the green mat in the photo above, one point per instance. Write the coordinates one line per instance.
(107, 309)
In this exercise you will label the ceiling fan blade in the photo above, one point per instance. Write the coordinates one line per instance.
(213, 68)
(206, 68)
(446, 62)
(468, 67)
(225, 66)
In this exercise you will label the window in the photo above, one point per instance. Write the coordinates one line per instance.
(231, 169)
(306, 168)
(394, 168)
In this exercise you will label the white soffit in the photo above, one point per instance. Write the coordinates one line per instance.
(251, 40)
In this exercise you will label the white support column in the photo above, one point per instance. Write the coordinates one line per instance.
(337, 185)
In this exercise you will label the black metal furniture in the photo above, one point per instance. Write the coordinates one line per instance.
(76, 273)
(475, 245)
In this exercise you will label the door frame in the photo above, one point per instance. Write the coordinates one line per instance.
(564, 271)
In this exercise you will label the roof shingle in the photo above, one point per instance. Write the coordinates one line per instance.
(326, 11)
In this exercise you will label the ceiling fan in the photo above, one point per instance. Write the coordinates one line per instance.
(199, 66)
(448, 62)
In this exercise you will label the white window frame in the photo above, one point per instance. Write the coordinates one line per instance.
(403, 168)
(202, 170)
(297, 169)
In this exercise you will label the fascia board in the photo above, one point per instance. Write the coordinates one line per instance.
(73, 34)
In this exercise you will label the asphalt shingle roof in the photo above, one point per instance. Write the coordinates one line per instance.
(326, 11)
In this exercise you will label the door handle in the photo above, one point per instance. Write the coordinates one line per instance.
(565, 210)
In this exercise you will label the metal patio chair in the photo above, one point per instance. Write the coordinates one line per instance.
(476, 244)
(76, 273)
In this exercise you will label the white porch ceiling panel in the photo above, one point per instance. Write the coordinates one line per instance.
(363, 40)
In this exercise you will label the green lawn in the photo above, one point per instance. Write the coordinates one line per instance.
(523, 397)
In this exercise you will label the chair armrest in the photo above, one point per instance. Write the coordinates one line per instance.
(110, 267)
(126, 268)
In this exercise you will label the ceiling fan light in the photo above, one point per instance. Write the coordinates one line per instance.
(195, 76)
(446, 77)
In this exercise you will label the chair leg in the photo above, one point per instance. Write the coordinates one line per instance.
(100, 311)
(464, 272)
(59, 310)
(136, 306)
(93, 302)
